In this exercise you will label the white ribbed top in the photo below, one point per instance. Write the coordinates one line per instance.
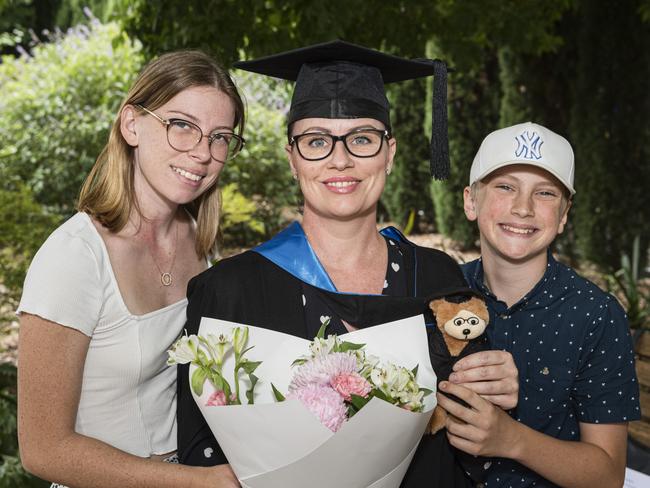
(128, 396)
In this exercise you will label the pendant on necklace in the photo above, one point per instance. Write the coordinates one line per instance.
(166, 279)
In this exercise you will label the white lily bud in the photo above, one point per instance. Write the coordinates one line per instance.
(240, 338)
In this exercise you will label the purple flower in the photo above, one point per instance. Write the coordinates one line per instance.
(321, 370)
(324, 403)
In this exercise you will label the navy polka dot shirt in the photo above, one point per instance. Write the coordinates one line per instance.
(571, 343)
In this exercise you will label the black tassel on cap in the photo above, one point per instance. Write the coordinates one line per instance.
(439, 132)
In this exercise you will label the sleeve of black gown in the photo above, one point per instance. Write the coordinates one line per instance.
(196, 444)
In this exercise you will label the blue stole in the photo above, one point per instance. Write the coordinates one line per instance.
(290, 250)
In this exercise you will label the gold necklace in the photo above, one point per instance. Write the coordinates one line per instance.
(166, 276)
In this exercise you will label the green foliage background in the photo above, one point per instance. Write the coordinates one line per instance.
(609, 124)
(261, 172)
(513, 61)
(57, 107)
(407, 187)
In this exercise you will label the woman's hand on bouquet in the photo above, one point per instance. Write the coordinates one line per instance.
(480, 428)
(491, 374)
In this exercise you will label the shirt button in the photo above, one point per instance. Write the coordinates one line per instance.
(504, 316)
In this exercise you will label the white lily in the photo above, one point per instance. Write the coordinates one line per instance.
(217, 347)
(321, 347)
(184, 350)
(381, 377)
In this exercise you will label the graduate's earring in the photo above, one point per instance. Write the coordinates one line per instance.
(295, 176)
(388, 170)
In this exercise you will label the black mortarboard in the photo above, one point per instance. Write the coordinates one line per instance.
(339, 80)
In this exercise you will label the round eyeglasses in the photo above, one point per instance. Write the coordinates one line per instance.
(362, 143)
(184, 135)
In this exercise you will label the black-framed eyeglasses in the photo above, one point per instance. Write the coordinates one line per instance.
(362, 143)
(184, 135)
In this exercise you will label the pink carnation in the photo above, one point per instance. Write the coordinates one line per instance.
(324, 403)
(348, 384)
(322, 369)
(217, 399)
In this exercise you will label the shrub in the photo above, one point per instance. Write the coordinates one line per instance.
(609, 131)
(57, 106)
(237, 217)
(261, 172)
(23, 228)
(631, 289)
(473, 101)
(406, 197)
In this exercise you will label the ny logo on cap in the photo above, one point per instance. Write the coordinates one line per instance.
(529, 145)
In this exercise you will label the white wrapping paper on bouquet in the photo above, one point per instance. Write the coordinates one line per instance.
(281, 444)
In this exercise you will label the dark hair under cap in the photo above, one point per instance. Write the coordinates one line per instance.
(340, 80)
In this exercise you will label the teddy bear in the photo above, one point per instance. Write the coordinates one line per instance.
(461, 322)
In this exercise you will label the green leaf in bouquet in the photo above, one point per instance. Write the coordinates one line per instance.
(298, 362)
(278, 396)
(426, 391)
(226, 388)
(219, 383)
(249, 366)
(198, 380)
(381, 395)
(246, 350)
(321, 331)
(415, 370)
(202, 357)
(352, 410)
(349, 346)
(358, 402)
(251, 391)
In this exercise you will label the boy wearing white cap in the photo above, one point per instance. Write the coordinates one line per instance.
(570, 340)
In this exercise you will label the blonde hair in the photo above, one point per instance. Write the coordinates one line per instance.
(108, 192)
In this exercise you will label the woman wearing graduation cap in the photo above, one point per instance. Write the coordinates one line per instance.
(336, 264)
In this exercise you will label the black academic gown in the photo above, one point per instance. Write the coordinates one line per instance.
(251, 290)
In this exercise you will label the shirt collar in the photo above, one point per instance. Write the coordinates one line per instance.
(477, 281)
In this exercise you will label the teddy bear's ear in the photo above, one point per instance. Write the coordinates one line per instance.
(479, 307)
(435, 305)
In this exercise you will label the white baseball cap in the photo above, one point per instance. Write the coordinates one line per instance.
(526, 143)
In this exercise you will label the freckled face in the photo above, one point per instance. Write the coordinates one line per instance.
(161, 172)
(520, 209)
(341, 186)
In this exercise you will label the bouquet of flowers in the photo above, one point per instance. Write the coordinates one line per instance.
(338, 378)
(344, 406)
(334, 382)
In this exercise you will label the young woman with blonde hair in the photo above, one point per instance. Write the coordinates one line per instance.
(105, 295)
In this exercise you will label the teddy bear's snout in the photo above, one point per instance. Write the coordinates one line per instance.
(466, 332)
